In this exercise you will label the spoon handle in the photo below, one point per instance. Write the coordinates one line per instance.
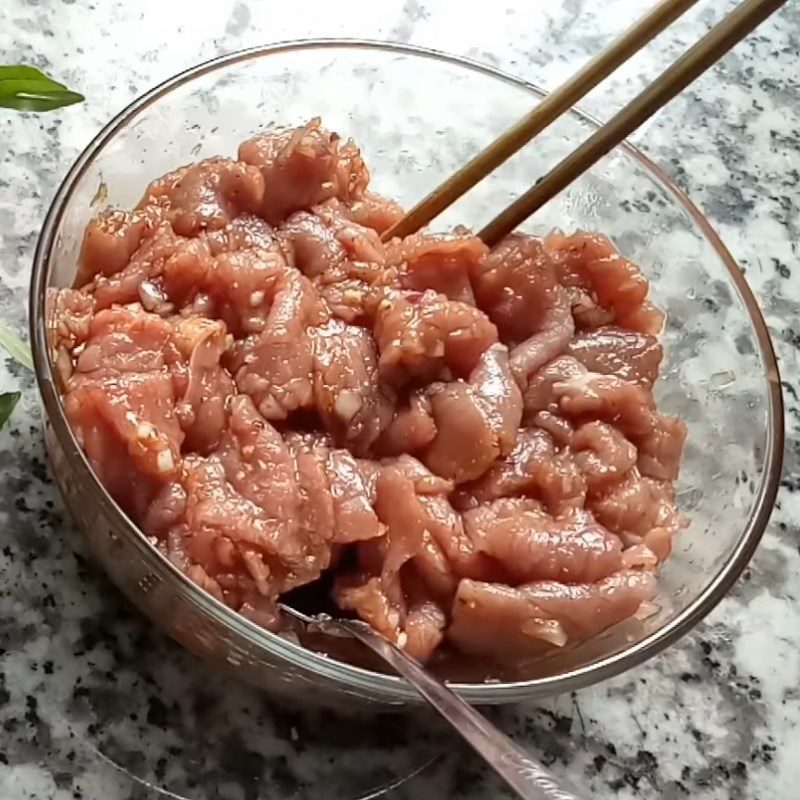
(526, 776)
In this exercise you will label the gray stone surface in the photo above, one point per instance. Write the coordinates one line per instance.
(85, 685)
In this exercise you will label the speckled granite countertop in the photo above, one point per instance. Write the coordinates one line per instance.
(84, 684)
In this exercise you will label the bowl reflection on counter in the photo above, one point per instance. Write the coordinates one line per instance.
(418, 115)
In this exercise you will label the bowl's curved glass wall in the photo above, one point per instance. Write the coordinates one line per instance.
(417, 118)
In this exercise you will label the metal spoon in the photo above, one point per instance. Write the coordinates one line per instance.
(526, 776)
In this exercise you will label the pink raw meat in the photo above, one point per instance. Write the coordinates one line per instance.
(489, 619)
(439, 262)
(302, 167)
(464, 439)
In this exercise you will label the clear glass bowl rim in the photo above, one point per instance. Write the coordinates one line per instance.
(351, 676)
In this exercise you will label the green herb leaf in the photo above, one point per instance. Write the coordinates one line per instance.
(7, 402)
(16, 348)
(24, 72)
(26, 88)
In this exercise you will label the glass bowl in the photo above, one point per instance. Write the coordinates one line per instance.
(418, 115)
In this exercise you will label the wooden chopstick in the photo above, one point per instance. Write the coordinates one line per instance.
(721, 38)
(552, 107)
